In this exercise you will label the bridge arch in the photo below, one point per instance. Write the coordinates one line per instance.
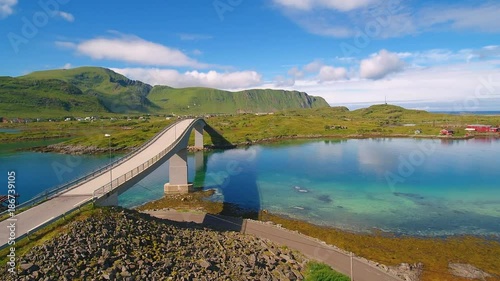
(171, 144)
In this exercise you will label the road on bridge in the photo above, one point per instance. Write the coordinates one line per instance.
(68, 200)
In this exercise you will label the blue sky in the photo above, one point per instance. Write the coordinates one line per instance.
(435, 55)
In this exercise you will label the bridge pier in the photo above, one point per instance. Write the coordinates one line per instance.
(178, 172)
(198, 135)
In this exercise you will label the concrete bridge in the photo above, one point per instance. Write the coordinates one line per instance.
(105, 186)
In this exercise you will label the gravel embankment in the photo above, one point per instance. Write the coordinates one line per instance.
(126, 245)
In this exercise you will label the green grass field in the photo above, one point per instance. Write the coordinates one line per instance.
(337, 122)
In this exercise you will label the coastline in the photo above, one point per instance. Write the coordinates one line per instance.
(94, 150)
(435, 253)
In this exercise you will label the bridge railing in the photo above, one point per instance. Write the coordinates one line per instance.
(51, 192)
(101, 191)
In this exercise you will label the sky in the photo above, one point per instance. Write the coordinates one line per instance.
(431, 55)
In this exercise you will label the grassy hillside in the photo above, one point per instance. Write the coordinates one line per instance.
(115, 92)
(36, 98)
(97, 91)
(206, 100)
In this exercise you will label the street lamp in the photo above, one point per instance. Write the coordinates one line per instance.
(110, 167)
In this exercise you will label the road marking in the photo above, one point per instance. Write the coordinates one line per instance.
(41, 224)
(81, 202)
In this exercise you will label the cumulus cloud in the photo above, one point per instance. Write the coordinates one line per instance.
(313, 66)
(66, 16)
(174, 78)
(7, 8)
(340, 5)
(296, 73)
(330, 73)
(380, 65)
(452, 87)
(132, 49)
(67, 66)
(315, 70)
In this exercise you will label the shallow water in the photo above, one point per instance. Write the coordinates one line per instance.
(407, 186)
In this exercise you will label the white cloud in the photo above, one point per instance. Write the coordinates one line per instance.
(282, 81)
(296, 73)
(7, 8)
(487, 52)
(213, 79)
(67, 66)
(341, 5)
(380, 65)
(132, 49)
(330, 73)
(388, 19)
(456, 87)
(313, 66)
(66, 16)
(478, 17)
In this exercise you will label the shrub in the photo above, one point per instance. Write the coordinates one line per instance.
(316, 271)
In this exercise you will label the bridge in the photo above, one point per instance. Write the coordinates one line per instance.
(105, 186)
(172, 143)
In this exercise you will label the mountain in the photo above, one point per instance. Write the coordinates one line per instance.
(115, 92)
(51, 97)
(206, 100)
(96, 91)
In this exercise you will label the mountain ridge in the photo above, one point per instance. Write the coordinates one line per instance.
(101, 90)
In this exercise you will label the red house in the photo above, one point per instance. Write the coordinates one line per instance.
(480, 128)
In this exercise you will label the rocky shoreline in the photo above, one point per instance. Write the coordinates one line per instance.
(78, 149)
(119, 244)
(93, 150)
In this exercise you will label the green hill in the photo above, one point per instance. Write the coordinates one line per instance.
(206, 100)
(115, 92)
(97, 91)
(37, 98)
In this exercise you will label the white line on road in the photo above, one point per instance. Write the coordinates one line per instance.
(41, 224)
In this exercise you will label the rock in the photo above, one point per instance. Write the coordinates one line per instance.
(120, 244)
(467, 271)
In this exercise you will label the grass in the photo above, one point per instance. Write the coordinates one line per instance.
(185, 202)
(375, 121)
(316, 271)
(125, 134)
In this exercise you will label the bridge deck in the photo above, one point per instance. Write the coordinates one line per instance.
(66, 201)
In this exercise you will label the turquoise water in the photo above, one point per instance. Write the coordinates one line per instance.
(417, 187)
(407, 186)
(9, 131)
(37, 172)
